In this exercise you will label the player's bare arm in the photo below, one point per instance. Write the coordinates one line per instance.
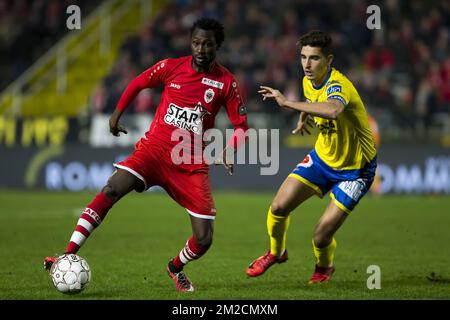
(329, 109)
(114, 126)
(304, 121)
(222, 159)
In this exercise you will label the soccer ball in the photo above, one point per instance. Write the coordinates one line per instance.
(70, 274)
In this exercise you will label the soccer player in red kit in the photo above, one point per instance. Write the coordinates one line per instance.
(195, 88)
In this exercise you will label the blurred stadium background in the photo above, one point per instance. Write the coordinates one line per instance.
(59, 86)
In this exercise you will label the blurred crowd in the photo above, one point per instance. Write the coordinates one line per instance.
(401, 71)
(28, 28)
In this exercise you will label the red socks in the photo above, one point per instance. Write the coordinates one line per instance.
(91, 218)
(191, 251)
(94, 214)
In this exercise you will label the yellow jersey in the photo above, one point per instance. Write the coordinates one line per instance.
(344, 143)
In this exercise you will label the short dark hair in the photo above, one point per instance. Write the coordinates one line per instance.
(317, 38)
(210, 24)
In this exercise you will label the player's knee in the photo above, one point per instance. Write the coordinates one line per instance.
(279, 209)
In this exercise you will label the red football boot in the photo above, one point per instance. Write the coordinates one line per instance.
(260, 265)
(182, 282)
(48, 262)
(321, 274)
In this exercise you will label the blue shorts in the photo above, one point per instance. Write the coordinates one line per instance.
(347, 186)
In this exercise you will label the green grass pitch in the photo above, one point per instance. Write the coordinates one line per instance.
(407, 237)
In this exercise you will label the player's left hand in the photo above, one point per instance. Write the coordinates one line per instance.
(268, 92)
(304, 121)
(221, 160)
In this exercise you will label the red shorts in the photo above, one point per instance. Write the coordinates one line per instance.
(188, 185)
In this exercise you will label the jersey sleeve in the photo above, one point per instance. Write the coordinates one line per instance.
(150, 78)
(337, 91)
(156, 74)
(237, 113)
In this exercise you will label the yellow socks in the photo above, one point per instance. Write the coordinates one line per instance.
(325, 256)
(277, 228)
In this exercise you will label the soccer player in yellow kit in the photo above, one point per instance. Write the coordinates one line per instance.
(343, 160)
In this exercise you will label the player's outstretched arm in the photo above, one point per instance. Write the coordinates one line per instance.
(132, 90)
(329, 109)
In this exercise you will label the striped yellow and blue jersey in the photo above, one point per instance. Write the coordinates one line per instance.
(344, 143)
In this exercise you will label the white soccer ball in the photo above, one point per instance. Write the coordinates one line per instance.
(70, 274)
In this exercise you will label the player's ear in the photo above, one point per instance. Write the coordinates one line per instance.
(330, 58)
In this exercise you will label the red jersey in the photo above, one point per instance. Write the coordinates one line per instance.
(190, 100)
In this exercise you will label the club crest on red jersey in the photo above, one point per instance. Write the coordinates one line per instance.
(209, 95)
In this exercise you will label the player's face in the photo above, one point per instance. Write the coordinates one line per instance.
(315, 64)
(204, 47)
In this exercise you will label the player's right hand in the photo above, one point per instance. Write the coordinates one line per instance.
(116, 128)
(302, 125)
